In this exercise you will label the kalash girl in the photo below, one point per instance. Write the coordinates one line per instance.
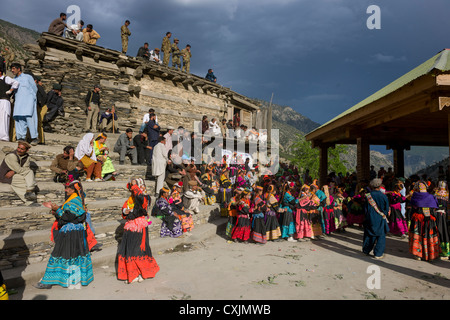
(101, 152)
(232, 211)
(135, 260)
(258, 233)
(242, 229)
(175, 199)
(286, 219)
(273, 231)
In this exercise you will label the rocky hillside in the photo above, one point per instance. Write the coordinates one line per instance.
(14, 37)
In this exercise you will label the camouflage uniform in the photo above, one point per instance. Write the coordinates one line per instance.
(186, 53)
(176, 61)
(166, 48)
(125, 33)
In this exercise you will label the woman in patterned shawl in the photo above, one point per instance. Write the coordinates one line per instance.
(441, 195)
(273, 231)
(286, 219)
(258, 233)
(397, 223)
(70, 264)
(171, 225)
(101, 152)
(242, 229)
(135, 260)
(232, 211)
(176, 201)
(423, 230)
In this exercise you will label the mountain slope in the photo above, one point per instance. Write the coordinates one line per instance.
(14, 37)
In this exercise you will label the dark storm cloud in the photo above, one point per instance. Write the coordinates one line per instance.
(316, 56)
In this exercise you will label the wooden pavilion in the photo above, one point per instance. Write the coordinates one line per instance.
(412, 110)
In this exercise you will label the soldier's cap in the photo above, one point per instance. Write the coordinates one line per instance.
(57, 86)
(176, 39)
(37, 78)
(97, 86)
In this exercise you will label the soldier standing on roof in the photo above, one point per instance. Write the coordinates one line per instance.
(125, 33)
(166, 48)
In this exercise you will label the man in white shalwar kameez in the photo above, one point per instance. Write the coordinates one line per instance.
(25, 105)
(159, 163)
(7, 86)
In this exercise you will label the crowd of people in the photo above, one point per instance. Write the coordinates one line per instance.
(181, 58)
(285, 206)
(288, 205)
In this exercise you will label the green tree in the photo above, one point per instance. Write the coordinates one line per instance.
(304, 156)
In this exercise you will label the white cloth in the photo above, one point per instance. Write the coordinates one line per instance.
(155, 57)
(169, 144)
(147, 118)
(5, 114)
(214, 129)
(159, 159)
(84, 147)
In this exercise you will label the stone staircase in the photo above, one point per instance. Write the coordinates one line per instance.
(25, 231)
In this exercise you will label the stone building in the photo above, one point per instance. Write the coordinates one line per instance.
(133, 86)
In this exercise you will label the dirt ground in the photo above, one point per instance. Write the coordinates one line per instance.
(332, 268)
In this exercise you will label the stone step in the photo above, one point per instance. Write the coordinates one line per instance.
(30, 274)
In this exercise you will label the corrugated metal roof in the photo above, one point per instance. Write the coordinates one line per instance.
(440, 62)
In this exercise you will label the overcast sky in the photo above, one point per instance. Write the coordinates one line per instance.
(316, 56)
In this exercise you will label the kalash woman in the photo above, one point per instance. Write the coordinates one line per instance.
(286, 219)
(273, 231)
(101, 152)
(441, 195)
(423, 231)
(242, 229)
(258, 233)
(70, 264)
(171, 225)
(135, 260)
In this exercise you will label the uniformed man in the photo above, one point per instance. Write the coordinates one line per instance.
(125, 33)
(186, 54)
(166, 47)
(176, 61)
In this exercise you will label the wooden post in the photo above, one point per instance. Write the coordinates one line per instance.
(363, 159)
(399, 162)
(323, 164)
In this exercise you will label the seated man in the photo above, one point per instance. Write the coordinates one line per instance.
(192, 198)
(210, 76)
(125, 147)
(143, 52)
(75, 31)
(106, 122)
(65, 164)
(154, 56)
(16, 171)
(90, 36)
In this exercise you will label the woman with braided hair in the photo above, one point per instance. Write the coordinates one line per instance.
(423, 230)
(135, 260)
(70, 264)
(442, 197)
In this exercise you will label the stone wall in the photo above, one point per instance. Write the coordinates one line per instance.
(132, 85)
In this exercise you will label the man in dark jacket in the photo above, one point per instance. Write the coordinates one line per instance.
(375, 223)
(153, 130)
(55, 106)
(143, 52)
